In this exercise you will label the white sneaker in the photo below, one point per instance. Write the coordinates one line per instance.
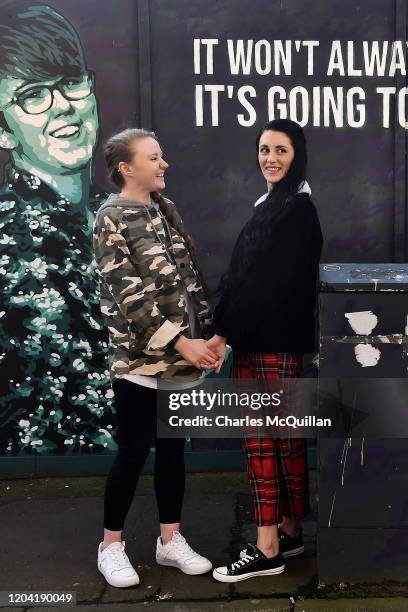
(114, 564)
(178, 553)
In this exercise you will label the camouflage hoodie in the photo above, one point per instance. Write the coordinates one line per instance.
(144, 268)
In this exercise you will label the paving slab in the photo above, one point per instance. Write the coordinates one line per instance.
(48, 545)
(201, 484)
(51, 529)
(369, 604)
(256, 605)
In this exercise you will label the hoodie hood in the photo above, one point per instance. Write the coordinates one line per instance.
(117, 200)
(304, 188)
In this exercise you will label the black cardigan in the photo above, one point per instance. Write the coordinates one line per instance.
(273, 308)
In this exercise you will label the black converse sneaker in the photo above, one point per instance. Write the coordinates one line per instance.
(288, 546)
(250, 564)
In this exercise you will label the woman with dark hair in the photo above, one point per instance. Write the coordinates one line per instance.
(266, 313)
(158, 318)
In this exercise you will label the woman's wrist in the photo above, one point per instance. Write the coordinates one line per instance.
(174, 341)
(179, 341)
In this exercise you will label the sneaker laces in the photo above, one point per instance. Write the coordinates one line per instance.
(245, 558)
(117, 554)
(182, 547)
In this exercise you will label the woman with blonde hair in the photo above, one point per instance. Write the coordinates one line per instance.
(155, 307)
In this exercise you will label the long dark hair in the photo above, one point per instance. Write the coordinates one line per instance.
(118, 148)
(258, 231)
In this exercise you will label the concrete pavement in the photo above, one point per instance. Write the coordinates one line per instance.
(51, 529)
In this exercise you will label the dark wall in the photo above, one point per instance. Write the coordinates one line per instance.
(143, 55)
(355, 173)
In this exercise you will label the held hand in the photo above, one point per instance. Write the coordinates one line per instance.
(196, 352)
(218, 345)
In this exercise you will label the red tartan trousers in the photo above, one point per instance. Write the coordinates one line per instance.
(277, 467)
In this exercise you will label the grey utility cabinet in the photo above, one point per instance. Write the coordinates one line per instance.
(363, 481)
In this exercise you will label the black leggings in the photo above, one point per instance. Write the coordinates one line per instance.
(137, 425)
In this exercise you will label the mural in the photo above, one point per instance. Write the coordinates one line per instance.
(54, 390)
(72, 73)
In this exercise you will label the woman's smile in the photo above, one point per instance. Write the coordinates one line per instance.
(275, 156)
(273, 169)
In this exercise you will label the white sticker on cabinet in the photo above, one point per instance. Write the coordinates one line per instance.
(362, 322)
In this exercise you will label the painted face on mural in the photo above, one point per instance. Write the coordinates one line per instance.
(275, 156)
(52, 125)
(147, 166)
